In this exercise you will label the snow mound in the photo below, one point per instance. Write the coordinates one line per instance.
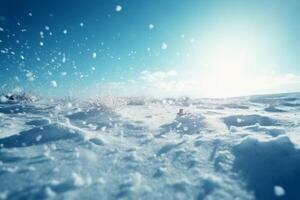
(269, 163)
(248, 120)
(274, 109)
(186, 124)
(143, 148)
(266, 130)
(38, 135)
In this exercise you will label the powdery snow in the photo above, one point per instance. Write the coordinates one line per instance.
(132, 148)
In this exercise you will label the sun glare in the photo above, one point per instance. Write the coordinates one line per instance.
(229, 61)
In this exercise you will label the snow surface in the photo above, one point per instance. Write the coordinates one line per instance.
(139, 148)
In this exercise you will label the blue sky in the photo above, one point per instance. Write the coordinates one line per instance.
(142, 47)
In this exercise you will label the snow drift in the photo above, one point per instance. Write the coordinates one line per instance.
(132, 148)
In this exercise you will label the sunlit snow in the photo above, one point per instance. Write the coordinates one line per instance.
(95, 105)
(128, 148)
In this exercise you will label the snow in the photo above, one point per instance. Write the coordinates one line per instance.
(30, 76)
(164, 46)
(279, 191)
(94, 55)
(63, 73)
(151, 26)
(136, 147)
(118, 8)
(3, 99)
(54, 83)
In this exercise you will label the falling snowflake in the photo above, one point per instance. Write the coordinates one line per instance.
(54, 84)
(279, 191)
(30, 76)
(65, 31)
(118, 8)
(81, 24)
(151, 26)
(164, 46)
(41, 43)
(94, 55)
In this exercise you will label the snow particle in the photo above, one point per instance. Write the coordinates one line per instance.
(279, 191)
(65, 31)
(41, 43)
(1, 29)
(94, 55)
(30, 14)
(38, 138)
(47, 28)
(151, 26)
(78, 180)
(164, 46)
(30, 76)
(69, 105)
(3, 99)
(118, 8)
(54, 84)
(81, 24)
(49, 192)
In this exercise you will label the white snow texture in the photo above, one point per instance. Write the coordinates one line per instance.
(141, 148)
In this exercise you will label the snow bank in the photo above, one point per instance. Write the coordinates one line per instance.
(269, 163)
(133, 148)
(248, 120)
(38, 135)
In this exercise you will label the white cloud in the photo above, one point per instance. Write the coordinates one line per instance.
(218, 85)
(196, 84)
(157, 75)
